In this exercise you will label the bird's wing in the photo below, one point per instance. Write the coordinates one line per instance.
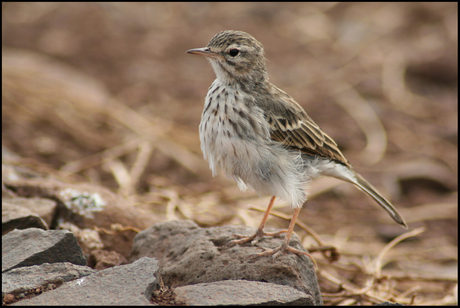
(291, 126)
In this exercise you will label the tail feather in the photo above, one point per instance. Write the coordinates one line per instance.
(387, 206)
(345, 173)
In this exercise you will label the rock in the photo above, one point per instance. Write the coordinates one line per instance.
(38, 277)
(84, 205)
(241, 293)
(130, 284)
(45, 208)
(88, 239)
(44, 267)
(34, 246)
(101, 259)
(18, 217)
(188, 254)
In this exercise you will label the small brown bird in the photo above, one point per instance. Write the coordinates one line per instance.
(264, 139)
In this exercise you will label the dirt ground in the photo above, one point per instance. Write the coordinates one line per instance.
(105, 93)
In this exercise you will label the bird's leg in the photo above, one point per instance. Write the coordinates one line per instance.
(259, 233)
(285, 246)
(242, 239)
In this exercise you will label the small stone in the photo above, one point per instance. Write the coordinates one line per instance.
(9, 298)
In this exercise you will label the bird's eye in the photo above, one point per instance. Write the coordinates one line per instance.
(233, 52)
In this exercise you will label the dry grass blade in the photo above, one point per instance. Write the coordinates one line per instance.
(171, 206)
(155, 130)
(378, 260)
(353, 291)
(101, 157)
(117, 228)
(119, 172)
(431, 211)
(139, 166)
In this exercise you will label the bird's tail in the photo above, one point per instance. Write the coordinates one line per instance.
(345, 173)
(371, 191)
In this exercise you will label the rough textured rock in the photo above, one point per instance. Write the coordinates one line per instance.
(130, 284)
(27, 279)
(188, 255)
(35, 246)
(241, 293)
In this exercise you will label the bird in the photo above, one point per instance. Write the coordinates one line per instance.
(262, 138)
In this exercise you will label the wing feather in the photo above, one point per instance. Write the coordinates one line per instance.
(291, 126)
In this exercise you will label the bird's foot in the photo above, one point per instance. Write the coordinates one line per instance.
(243, 239)
(280, 250)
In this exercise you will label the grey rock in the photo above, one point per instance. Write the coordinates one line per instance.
(188, 255)
(84, 204)
(26, 279)
(130, 284)
(35, 246)
(241, 293)
(18, 217)
(45, 208)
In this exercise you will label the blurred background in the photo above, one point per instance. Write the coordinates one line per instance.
(105, 93)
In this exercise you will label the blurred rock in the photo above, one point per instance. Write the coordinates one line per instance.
(44, 208)
(102, 259)
(18, 217)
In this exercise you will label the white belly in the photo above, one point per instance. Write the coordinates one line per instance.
(236, 138)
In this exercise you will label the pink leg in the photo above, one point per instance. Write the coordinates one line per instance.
(260, 230)
(285, 246)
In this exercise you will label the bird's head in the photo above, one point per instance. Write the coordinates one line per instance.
(235, 56)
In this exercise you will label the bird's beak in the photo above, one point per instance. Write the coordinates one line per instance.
(205, 51)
